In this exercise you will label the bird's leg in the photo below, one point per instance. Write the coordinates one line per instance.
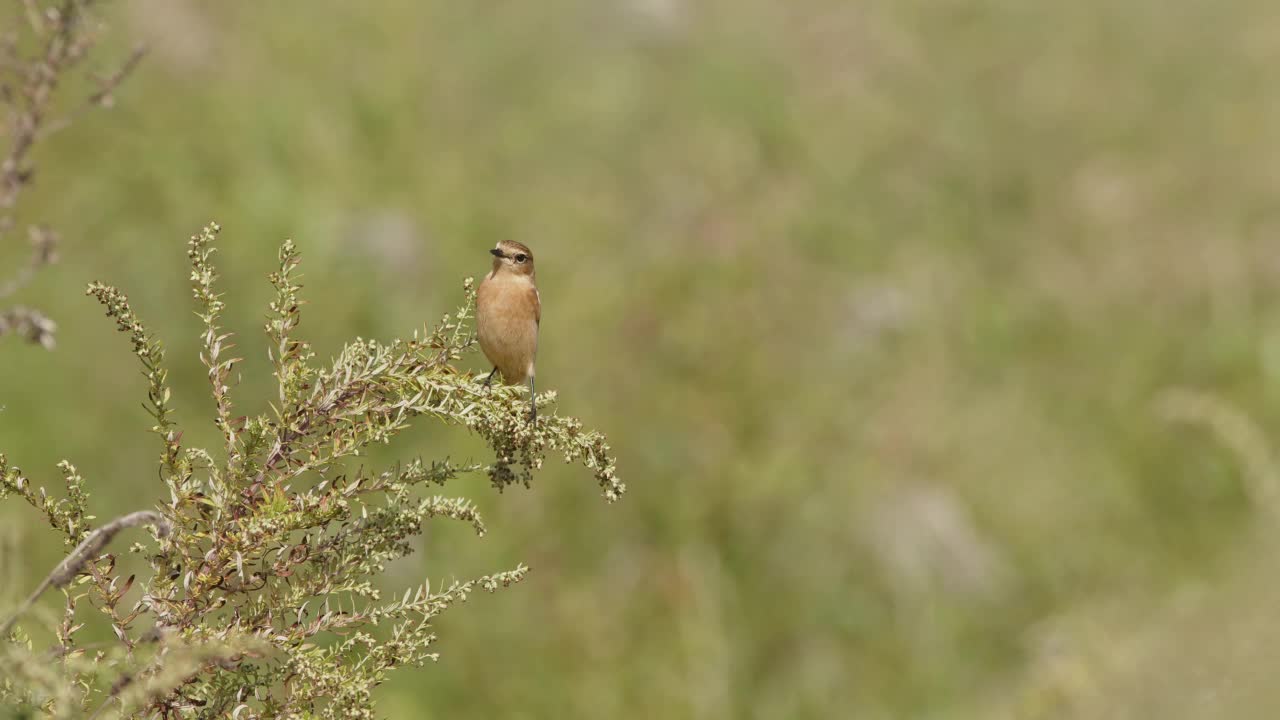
(533, 404)
(488, 381)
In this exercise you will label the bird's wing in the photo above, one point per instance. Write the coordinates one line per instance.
(537, 306)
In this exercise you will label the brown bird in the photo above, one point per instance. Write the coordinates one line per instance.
(508, 313)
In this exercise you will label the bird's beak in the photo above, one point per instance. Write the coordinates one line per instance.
(496, 253)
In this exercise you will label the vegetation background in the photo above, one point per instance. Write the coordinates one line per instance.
(939, 341)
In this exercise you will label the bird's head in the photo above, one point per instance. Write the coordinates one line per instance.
(512, 257)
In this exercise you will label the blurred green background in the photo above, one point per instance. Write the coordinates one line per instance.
(939, 340)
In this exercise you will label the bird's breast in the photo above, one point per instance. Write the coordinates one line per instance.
(507, 326)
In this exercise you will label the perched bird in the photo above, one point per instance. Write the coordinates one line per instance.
(508, 312)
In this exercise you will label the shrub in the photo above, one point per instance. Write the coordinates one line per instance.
(262, 598)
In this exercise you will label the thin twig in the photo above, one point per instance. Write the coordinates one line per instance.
(44, 243)
(104, 96)
(84, 552)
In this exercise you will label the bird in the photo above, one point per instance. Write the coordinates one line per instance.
(508, 314)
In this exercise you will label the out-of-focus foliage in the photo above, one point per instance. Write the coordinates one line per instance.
(886, 297)
(40, 54)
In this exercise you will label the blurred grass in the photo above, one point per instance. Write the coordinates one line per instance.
(874, 298)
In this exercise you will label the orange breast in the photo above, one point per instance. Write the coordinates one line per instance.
(507, 325)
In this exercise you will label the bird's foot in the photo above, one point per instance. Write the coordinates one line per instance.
(488, 381)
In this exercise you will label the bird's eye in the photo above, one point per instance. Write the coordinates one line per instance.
(521, 258)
